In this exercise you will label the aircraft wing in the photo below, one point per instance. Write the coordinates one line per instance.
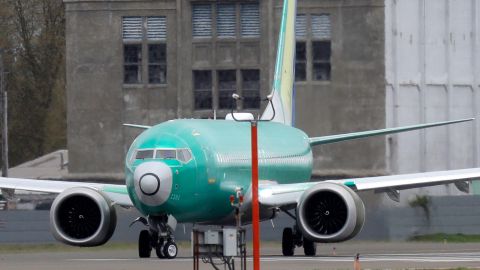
(277, 195)
(117, 193)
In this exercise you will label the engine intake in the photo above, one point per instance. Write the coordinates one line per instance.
(330, 212)
(82, 216)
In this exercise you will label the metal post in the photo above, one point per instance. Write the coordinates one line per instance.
(255, 206)
(4, 110)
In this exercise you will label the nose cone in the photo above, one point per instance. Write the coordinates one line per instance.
(153, 183)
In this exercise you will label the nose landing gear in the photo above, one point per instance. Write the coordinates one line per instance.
(159, 236)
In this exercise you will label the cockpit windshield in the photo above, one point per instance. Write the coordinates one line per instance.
(183, 155)
(166, 154)
(143, 154)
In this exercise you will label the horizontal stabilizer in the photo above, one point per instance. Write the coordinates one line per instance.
(364, 134)
(137, 126)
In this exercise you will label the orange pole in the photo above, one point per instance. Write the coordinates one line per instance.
(255, 206)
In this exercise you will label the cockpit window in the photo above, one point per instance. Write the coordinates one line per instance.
(166, 154)
(184, 155)
(143, 154)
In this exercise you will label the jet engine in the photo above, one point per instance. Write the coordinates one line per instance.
(82, 216)
(330, 212)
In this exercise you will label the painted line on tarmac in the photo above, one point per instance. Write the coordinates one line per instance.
(458, 257)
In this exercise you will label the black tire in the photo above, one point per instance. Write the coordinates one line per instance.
(159, 251)
(309, 247)
(288, 246)
(144, 246)
(170, 250)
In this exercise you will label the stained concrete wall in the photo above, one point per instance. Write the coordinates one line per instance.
(354, 100)
(98, 102)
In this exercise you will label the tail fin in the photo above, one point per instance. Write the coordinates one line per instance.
(283, 88)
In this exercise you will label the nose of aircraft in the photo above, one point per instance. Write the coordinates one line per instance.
(153, 183)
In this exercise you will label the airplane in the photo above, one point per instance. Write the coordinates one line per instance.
(185, 170)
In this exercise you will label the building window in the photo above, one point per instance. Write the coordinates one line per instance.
(226, 20)
(321, 60)
(202, 88)
(300, 61)
(227, 82)
(251, 88)
(132, 58)
(157, 64)
(230, 31)
(313, 51)
(250, 20)
(202, 20)
(144, 38)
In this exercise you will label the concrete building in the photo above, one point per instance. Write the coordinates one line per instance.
(363, 64)
(146, 62)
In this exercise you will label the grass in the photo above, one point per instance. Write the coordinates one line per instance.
(451, 238)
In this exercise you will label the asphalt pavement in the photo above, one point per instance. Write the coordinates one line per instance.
(373, 255)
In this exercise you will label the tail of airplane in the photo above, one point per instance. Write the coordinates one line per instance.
(283, 83)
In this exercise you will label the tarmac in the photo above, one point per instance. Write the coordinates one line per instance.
(373, 255)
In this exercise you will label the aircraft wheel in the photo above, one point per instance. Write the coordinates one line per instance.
(309, 247)
(144, 246)
(288, 246)
(170, 250)
(159, 251)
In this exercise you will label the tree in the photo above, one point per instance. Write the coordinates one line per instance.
(33, 32)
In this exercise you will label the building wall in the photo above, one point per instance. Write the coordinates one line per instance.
(432, 73)
(433, 70)
(354, 99)
(99, 102)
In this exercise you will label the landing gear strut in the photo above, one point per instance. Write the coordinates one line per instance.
(292, 237)
(159, 236)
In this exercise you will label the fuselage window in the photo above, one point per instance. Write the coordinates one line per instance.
(166, 154)
(184, 155)
(143, 154)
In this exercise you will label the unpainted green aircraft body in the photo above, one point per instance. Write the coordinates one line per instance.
(187, 170)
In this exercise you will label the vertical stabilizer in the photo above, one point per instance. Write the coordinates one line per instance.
(283, 88)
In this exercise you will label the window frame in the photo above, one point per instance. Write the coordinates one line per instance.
(309, 41)
(214, 41)
(145, 43)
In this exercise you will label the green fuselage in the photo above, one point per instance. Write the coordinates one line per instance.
(220, 163)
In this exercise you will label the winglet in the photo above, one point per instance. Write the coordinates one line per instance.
(137, 126)
(364, 134)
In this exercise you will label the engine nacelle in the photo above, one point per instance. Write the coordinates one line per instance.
(330, 212)
(82, 216)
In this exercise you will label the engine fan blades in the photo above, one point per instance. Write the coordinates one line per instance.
(326, 213)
